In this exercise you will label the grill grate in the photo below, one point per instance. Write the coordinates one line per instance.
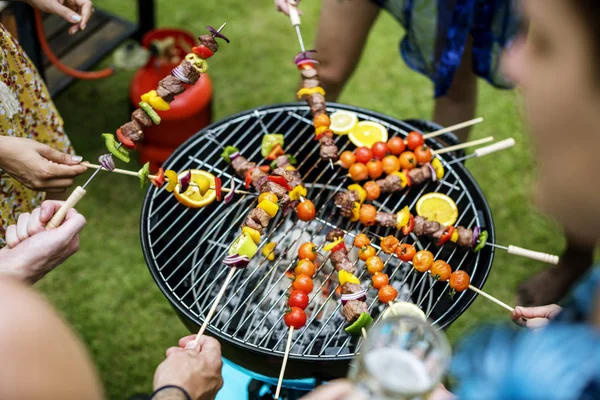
(184, 247)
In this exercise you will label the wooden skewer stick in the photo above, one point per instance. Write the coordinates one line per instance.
(213, 308)
(464, 145)
(491, 298)
(133, 173)
(453, 128)
(285, 358)
(364, 332)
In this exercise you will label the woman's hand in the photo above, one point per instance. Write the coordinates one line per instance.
(77, 12)
(535, 317)
(193, 366)
(37, 166)
(284, 6)
(32, 251)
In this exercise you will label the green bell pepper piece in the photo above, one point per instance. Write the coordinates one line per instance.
(244, 246)
(291, 159)
(269, 141)
(481, 241)
(356, 328)
(113, 146)
(150, 111)
(143, 174)
(229, 150)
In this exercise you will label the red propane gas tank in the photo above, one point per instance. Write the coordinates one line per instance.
(189, 112)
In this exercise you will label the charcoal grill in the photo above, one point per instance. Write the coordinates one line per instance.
(184, 247)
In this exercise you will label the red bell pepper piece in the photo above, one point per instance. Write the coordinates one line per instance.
(408, 180)
(339, 247)
(280, 180)
(275, 152)
(202, 51)
(406, 230)
(445, 236)
(218, 188)
(124, 141)
(159, 180)
(306, 65)
(325, 132)
(265, 168)
(248, 180)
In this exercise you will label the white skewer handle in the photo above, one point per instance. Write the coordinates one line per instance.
(501, 145)
(71, 202)
(492, 298)
(534, 255)
(294, 16)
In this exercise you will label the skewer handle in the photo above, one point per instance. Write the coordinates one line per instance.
(60, 215)
(213, 308)
(294, 16)
(492, 148)
(534, 255)
(453, 128)
(288, 345)
(465, 145)
(492, 298)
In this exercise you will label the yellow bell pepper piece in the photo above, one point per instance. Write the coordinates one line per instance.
(297, 192)
(331, 245)
(438, 168)
(403, 178)
(146, 96)
(269, 207)
(290, 168)
(402, 218)
(253, 233)
(268, 252)
(173, 180)
(355, 212)
(454, 237)
(308, 92)
(362, 193)
(157, 102)
(320, 130)
(203, 184)
(267, 196)
(347, 277)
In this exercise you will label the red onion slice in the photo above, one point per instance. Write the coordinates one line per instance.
(476, 233)
(227, 199)
(177, 72)
(360, 296)
(235, 155)
(216, 33)
(304, 55)
(433, 173)
(107, 162)
(185, 182)
(236, 261)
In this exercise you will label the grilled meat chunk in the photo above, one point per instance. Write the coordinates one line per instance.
(465, 237)
(169, 87)
(282, 161)
(329, 152)
(420, 175)
(132, 131)
(251, 223)
(141, 117)
(351, 288)
(189, 71)
(241, 166)
(431, 227)
(274, 188)
(353, 308)
(209, 42)
(258, 178)
(438, 234)
(389, 184)
(385, 219)
(287, 204)
(345, 200)
(309, 73)
(292, 176)
(419, 226)
(259, 215)
(317, 105)
(341, 261)
(334, 235)
(310, 83)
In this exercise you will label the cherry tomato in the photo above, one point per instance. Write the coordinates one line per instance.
(441, 271)
(295, 318)
(361, 240)
(347, 158)
(303, 282)
(396, 145)
(321, 120)
(308, 251)
(423, 154)
(305, 267)
(365, 252)
(306, 210)
(389, 244)
(406, 252)
(460, 281)
(387, 293)
(298, 299)
(374, 264)
(367, 214)
(358, 172)
(422, 260)
(363, 154)
(373, 190)
(268, 196)
(380, 280)
(380, 150)
(408, 160)
(375, 168)
(414, 140)
(391, 164)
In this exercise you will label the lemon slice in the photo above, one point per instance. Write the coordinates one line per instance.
(367, 133)
(342, 122)
(402, 308)
(438, 207)
(193, 196)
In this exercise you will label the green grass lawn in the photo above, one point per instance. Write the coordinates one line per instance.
(106, 292)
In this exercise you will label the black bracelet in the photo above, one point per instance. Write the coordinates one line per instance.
(187, 396)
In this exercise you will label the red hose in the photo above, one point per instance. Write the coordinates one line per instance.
(72, 72)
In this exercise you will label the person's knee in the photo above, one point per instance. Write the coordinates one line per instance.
(333, 79)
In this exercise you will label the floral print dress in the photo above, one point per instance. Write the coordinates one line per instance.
(26, 111)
